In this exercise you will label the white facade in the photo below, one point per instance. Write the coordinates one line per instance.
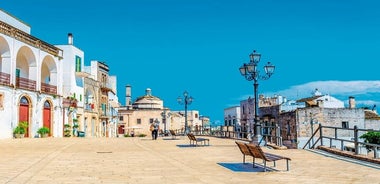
(13, 21)
(30, 78)
(73, 83)
(232, 117)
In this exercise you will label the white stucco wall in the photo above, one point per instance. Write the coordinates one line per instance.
(13, 21)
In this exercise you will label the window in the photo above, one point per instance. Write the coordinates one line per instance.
(121, 118)
(46, 105)
(24, 101)
(104, 108)
(139, 121)
(151, 120)
(18, 72)
(78, 64)
(345, 124)
(196, 115)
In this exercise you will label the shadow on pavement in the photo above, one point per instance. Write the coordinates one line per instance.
(241, 167)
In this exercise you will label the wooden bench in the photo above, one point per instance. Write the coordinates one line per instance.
(244, 150)
(173, 134)
(256, 152)
(194, 140)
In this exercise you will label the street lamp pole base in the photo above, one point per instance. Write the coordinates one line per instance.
(258, 140)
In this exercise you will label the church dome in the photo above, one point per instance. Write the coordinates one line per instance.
(148, 101)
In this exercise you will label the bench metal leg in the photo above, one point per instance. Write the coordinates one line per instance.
(265, 166)
(287, 164)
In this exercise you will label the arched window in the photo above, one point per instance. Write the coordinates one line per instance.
(47, 105)
(24, 101)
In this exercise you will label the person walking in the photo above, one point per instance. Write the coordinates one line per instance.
(155, 127)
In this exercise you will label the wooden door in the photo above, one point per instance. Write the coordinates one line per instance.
(24, 113)
(47, 116)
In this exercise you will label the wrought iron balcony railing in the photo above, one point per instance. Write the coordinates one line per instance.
(4, 78)
(25, 83)
(47, 88)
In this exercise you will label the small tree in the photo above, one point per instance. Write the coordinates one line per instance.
(372, 138)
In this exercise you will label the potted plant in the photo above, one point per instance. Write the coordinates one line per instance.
(75, 127)
(20, 129)
(67, 130)
(43, 131)
(19, 132)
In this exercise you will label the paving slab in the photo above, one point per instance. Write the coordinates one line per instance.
(143, 160)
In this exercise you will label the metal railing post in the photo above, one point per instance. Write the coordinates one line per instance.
(321, 134)
(356, 140)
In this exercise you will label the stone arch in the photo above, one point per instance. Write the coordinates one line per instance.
(5, 61)
(47, 115)
(26, 69)
(25, 112)
(49, 78)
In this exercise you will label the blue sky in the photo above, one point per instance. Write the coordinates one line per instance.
(198, 45)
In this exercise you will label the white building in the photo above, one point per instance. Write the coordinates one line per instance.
(232, 117)
(30, 78)
(43, 85)
(72, 83)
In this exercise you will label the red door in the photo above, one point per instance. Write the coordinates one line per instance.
(24, 113)
(47, 116)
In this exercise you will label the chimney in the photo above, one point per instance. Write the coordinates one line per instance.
(70, 38)
(128, 95)
(351, 102)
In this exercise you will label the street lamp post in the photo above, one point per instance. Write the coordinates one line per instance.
(164, 116)
(250, 72)
(186, 100)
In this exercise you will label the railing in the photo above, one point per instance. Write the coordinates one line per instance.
(69, 102)
(106, 86)
(25, 83)
(47, 88)
(29, 39)
(89, 107)
(4, 78)
(335, 140)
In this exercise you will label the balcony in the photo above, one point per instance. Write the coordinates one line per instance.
(89, 107)
(106, 87)
(4, 78)
(49, 89)
(24, 83)
(69, 102)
